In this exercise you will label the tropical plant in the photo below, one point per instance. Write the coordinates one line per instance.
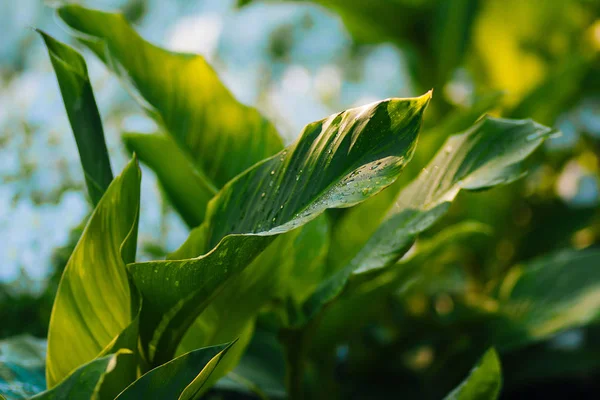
(316, 258)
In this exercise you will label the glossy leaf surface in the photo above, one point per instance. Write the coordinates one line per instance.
(358, 224)
(337, 162)
(488, 154)
(93, 305)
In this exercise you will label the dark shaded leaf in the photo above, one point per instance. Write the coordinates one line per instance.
(78, 97)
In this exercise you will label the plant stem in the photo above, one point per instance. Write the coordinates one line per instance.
(294, 343)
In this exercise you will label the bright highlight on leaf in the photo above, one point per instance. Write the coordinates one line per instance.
(93, 305)
(311, 269)
(337, 162)
(484, 381)
(488, 154)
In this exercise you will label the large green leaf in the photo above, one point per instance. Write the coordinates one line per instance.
(78, 97)
(267, 278)
(352, 230)
(547, 296)
(183, 93)
(337, 162)
(483, 383)
(488, 154)
(94, 302)
(188, 190)
(86, 381)
(182, 378)
(289, 267)
(22, 366)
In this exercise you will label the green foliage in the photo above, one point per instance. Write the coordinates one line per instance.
(272, 285)
(483, 382)
(78, 96)
(95, 304)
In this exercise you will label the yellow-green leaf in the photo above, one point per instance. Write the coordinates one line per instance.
(93, 304)
(182, 92)
(483, 383)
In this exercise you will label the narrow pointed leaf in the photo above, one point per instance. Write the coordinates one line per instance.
(187, 189)
(182, 93)
(85, 381)
(488, 154)
(181, 378)
(337, 162)
(483, 383)
(94, 303)
(78, 97)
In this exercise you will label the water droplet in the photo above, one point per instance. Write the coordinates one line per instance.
(366, 191)
(272, 172)
(176, 283)
(448, 149)
(273, 220)
(281, 207)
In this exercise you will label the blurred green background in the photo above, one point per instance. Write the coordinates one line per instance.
(299, 61)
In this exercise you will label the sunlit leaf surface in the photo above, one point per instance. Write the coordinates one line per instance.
(483, 383)
(488, 154)
(93, 305)
(337, 162)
